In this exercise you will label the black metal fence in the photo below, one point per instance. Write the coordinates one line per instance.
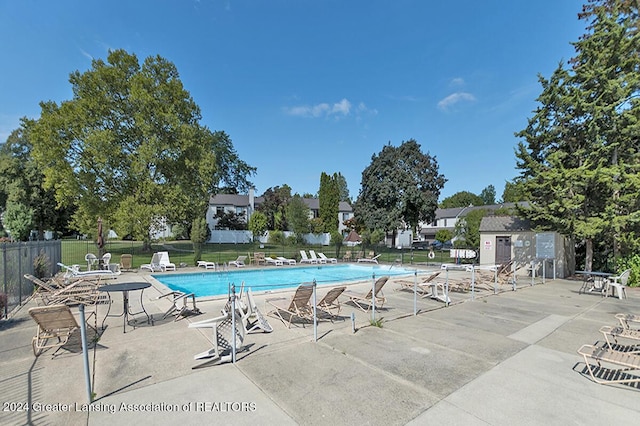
(38, 258)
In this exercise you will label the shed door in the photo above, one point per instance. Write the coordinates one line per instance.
(503, 250)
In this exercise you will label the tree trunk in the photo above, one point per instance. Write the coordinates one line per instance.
(588, 257)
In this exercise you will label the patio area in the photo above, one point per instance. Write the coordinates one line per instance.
(498, 359)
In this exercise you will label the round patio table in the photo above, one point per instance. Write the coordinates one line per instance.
(125, 288)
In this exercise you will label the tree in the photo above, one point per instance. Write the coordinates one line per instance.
(444, 235)
(468, 228)
(343, 189)
(399, 189)
(257, 224)
(329, 199)
(232, 220)
(18, 220)
(297, 214)
(21, 181)
(273, 206)
(488, 195)
(513, 192)
(461, 199)
(130, 136)
(579, 155)
(200, 234)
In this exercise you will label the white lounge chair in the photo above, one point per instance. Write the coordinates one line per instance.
(312, 253)
(154, 265)
(206, 265)
(305, 259)
(286, 261)
(327, 259)
(271, 261)
(239, 262)
(165, 262)
(373, 259)
(222, 337)
(74, 272)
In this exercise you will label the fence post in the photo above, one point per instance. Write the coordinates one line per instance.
(415, 293)
(315, 312)
(4, 272)
(233, 323)
(373, 298)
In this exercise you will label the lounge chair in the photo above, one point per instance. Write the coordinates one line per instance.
(619, 332)
(625, 361)
(424, 285)
(154, 265)
(271, 261)
(297, 306)
(180, 304)
(286, 261)
(91, 260)
(126, 262)
(239, 262)
(165, 262)
(71, 272)
(252, 318)
(206, 265)
(373, 259)
(54, 322)
(327, 259)
(631, 321)
(618, 283)
(305, 259)
(359, 299)
(315, 258)
(330, 302)
(78, 292)
(222, 331)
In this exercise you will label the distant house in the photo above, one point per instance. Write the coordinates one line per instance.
(246, 205)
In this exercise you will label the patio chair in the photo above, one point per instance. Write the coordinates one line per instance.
(315, 258)
(258, 258)
(126, 262)
(373, 259)
(222, 337)
(286, 261)
(154, 265)
(91, 260)
(106, 259)
(631, 321)
(206, 265)
(180, 304)
(252, 318)
(166, 262)
(54, 322)
(330, 302)
(422, 286)
(359, 299)
(305, 259)
(618, 283)
(271, 261)
(619, 332)
(347, 256)
(327, 259)
(239, 262)
(298, 306)
(625, 362)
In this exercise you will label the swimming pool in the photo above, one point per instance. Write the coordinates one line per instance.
(272, 279)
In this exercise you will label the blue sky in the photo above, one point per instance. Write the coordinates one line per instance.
(304, 87)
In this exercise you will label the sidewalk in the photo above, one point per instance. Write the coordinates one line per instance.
(497, 360)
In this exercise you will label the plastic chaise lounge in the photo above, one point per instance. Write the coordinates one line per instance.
(165, 262)
(298, 306)
(271, 261)
(222, 337)
(625, 363)
(154, 265)
(327, 259)
(252, 319)
(73, 272)
(239, 262)
(360, 299)
(55, 322)
(315, 258)
(305, 259)
(206, 264)
(330, 302)
(286, 261)
(373, 259)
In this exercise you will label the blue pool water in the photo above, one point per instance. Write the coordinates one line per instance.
(277, 278)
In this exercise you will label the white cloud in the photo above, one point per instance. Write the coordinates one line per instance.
(455, 98)
(342, 108)
(458, 81)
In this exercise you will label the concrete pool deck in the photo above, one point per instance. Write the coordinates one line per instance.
(496, 360)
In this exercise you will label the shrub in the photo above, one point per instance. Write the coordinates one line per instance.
(41, 264)
(633, 263)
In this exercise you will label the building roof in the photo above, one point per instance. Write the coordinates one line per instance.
(504, 224)
(237, 200)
